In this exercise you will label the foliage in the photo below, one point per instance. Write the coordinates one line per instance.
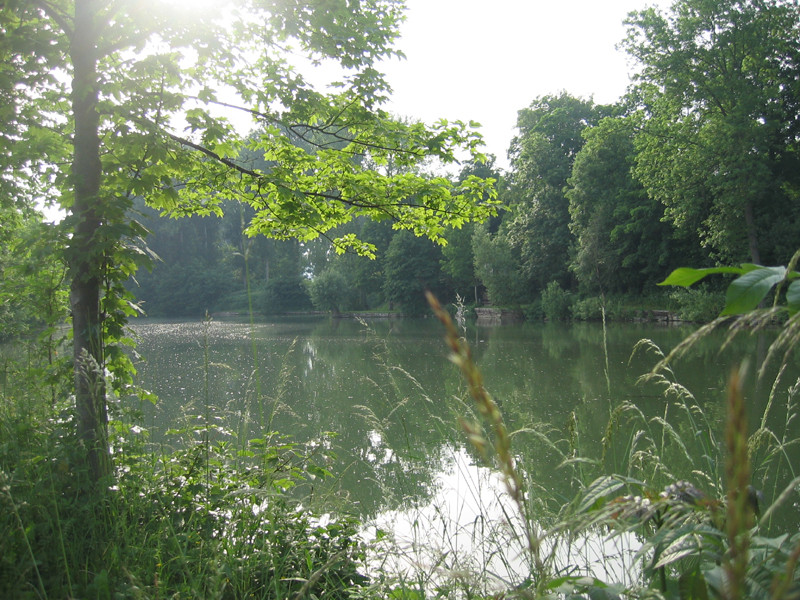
(596, 308)
(653, 534)
(329, 290)
(32, 279)
(542, 156)
(751, 286)
(411, 266)
(622, 243)
(124, 99)
(213, 518)
(717, 93)
(458, 256)
(556, 302)
(496, 267)
(283, 295)
(365, 278)
(697, 305)
(458, 263)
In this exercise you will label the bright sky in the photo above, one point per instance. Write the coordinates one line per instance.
(484, 61)
(479, 60)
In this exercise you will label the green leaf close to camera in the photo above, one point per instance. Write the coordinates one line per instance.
(793, 296)
(686, 276)
(598, 491)
(685, 545)
(746, 292)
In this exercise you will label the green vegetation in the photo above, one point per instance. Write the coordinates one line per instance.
(212, 519)
(697, 164)
(221, 516)
(113, 112)
(689, 542)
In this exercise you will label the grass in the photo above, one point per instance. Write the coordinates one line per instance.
(213, 518)
(661, 505)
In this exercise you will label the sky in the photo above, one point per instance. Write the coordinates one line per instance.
(485, 60)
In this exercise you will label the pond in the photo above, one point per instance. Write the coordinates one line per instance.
(388, 393)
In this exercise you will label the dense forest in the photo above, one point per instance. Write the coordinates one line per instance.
(696, 165)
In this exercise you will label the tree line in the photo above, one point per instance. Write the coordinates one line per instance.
(696, 165)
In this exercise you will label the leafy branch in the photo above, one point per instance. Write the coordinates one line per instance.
(751, 287)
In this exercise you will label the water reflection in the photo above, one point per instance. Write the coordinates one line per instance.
(389, 393)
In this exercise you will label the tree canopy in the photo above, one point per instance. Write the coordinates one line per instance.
(718, 90)
(108, 101)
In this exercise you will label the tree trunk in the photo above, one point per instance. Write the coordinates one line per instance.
(752, 237)
(85, 251)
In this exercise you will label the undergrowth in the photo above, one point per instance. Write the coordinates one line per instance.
(212, 518)
(665, 505)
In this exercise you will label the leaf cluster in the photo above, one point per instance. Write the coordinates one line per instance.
(751, 286)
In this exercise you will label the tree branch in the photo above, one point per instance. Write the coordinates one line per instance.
(259, 177)
(324, 129)
(61, 19)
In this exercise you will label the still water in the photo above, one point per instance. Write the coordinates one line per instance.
(388, 392)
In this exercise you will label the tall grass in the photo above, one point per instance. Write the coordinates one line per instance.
(671, 514)
(663, 505)
(211, 518)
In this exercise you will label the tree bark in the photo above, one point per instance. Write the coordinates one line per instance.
(752, 236)
(85, 252)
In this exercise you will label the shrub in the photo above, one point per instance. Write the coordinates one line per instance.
(329, 290)
(556, 302)
(533, 311)
(588, 309)
(699, 305)
(591, 309)
(285, 294)
(212, 519)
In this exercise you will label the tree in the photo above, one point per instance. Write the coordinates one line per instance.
(329, 290)
(285, 289)
(32, 279)
(718, 90)
(364, 278)
(497, 267)
(458, 256)
(411, 267)
(541, 159)
(622, 243)
(126, 97)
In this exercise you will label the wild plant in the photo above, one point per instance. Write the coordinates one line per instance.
(667, 536)
(211, 518)
(496, 449)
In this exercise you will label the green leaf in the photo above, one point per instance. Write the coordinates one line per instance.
(598, 490)
(316, 471)
(793, 296)
(685, 545)
(746, 292)
(693, 585)
(686, 276)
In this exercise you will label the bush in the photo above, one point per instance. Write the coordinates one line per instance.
(329, 291)
(195, 523)
(699, 305)
(588, 309)
(591, 309)
(556, 302)
(285, 295)
(533, 311)
(213, 519)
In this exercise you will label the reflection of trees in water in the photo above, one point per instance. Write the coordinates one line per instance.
(552, 377)
(387, 411)
(391, 396)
